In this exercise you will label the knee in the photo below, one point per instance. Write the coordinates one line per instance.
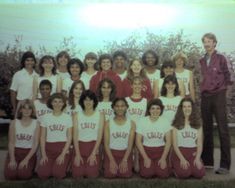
(24, 175)
(181, 173)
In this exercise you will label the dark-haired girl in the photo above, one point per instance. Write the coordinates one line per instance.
(187, 141)
(55, 139)
(119, 135)
(22, 81)
(153, 140)
(87, 136)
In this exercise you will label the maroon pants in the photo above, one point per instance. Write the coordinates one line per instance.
(24, 173)
(51, 168)
(85, 169)
(154, 153)
(189, 154)
(118, 156)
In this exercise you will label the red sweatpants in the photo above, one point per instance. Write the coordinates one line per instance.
(85, 169)
(154, 153)
(118, 156)
(17, 173)
(51, 168)
(189, 154)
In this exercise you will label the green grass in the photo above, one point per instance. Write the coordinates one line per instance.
(128, 183)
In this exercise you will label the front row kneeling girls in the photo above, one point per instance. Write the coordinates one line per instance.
(153, 140)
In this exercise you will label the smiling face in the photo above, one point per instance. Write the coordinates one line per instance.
(136, 86)
(119, 62)
(150, 59)
(90, 62)
(136, 67)
(179, 63)
(120, 108)
(155, 111)
(75, 70)
(57, 104)
(170, 87)
(45, 91)
(48, 65)
(209, 44)
(105, 65)
(187, 108)
(168, 71)
(106, 89)
(63, 60)
(77, 91)
(26, 111)
(29, 63)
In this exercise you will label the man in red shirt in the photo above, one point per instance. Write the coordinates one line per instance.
(215, 79)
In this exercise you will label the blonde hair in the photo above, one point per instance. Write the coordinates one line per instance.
(22, 105)
(180, 55)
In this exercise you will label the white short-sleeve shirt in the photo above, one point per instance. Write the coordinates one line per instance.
(22, 83)
(86, 79)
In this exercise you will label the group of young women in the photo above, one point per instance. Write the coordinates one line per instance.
(110, 121)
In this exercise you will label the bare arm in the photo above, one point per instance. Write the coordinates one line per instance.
(199, 143)
(191, 86)
(156, 92)
(130, 141)
(75, 134)
(175, 144)
(107, 141)
(43, 141)
(35, 87)
(167, 145)
(181, 89)
(11, 141)
(140, 146)
(59, 84)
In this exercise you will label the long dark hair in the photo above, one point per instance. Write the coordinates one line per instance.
(41, 69)
(113, 89)
(71, 95)
(194, 118)
(173, 79)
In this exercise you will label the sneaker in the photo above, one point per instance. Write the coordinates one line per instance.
(209, 166)
(222, 171)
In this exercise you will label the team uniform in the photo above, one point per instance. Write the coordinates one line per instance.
(22, 83)
(146, 90)
(56, 138)
(118, 144)
(24, 138)
(88, 127)
(106, 108)
(137, 108)
(53, 79)
(184, 77)
(170, 106)
(86, 79)
(186, 141)
(70, 111)
(153, 134)
(41, 109)
(153, 76)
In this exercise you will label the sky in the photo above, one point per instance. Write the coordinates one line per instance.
(93, 22)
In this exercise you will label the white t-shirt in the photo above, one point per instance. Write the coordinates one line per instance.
(106, 108)
(119, 134)
(187, 137)
(67, 83)
(86, 79)
(153, 132)
(153, 76)
(185, 78)
(63, 75)
(170, 106)
(24, 136)
(41, 109)
(88, 126)
(137, 108)
(22, 83)
(77, 109)
(56, 126)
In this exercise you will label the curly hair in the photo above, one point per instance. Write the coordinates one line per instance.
(152, 52)
(194, 119)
